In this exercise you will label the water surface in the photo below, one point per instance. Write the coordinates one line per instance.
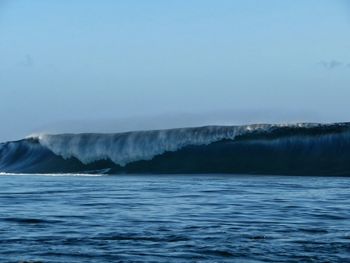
(174, 218)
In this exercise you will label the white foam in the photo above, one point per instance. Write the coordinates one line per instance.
(51, 174)
(124, 148)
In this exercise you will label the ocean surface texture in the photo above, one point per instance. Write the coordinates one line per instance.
(174, 218)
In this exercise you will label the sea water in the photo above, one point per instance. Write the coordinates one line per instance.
(174, 218)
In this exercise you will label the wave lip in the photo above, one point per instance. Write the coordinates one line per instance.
(124, 148)
(261, 148)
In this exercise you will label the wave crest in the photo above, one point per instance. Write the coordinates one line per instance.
(124, 148)
(261, 148)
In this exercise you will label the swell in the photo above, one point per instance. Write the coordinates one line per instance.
(29, 156)
(301, 149)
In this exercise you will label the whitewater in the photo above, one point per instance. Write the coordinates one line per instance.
(303, 148)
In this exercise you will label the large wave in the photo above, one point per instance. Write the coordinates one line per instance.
(300, 149)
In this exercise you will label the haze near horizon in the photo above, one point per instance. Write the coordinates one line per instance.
(103, 66)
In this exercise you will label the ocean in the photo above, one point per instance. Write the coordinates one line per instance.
(289, 149)
(174, 218)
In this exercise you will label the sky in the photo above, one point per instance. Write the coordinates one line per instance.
(104, 66)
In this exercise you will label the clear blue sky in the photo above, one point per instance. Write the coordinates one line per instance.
(92, 60)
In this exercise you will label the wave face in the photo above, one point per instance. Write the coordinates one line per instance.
(299, 149)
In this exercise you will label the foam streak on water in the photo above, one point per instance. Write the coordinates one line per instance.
(51, 174)
(182, 218)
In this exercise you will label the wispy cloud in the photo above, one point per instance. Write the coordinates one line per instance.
(334, 64)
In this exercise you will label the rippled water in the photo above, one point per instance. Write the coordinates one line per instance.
(157, 218)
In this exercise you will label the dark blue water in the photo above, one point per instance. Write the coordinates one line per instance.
(174, 218)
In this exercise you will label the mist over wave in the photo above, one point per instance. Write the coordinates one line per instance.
(178, 120)
(306, 148)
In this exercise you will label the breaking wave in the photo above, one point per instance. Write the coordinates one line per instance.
(300, 149)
